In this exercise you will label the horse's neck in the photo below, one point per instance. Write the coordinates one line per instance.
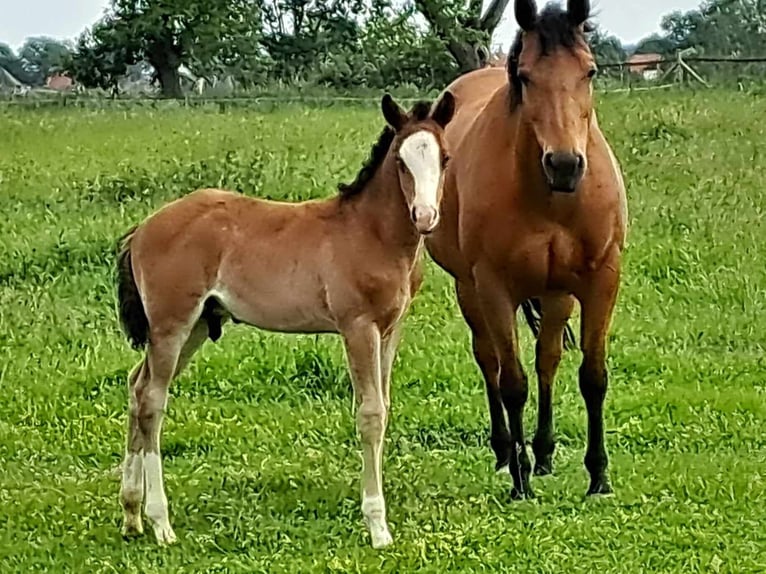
(381, 209)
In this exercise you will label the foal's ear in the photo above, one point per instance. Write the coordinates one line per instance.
(395, 116)
(444, 109)
(578, 11)
(526, 14)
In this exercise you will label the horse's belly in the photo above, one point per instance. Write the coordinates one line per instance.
(277, 307)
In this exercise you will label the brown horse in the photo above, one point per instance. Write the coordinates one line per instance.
(349, 265)
(534, 215)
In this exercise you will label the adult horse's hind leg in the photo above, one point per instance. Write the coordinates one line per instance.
(132, 489)
(363, 349)
(486, 357)
(556, 313)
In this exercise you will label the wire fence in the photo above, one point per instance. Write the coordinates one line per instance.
(89, 99)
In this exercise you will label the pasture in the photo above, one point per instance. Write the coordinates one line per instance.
(261, 453)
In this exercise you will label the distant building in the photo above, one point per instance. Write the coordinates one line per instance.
(59, 82)
(648, 66)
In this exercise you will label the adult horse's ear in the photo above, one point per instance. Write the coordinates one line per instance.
(395, 116)
(526, 14)
(444, 110)
(578, 11)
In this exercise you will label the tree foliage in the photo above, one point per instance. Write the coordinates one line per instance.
(463, 27)
(206, 34)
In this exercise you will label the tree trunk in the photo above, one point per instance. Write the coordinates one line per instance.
(454, 33)
(170, 81)
(465, 54)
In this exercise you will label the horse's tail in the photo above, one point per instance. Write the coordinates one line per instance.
(533, 313)
(131, 308)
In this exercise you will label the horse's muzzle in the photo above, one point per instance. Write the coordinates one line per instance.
(425, 219)
(564, 170)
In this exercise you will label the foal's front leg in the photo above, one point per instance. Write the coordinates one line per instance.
(363, 348)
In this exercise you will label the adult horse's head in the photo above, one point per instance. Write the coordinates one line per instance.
(418, 143)
(550, 68)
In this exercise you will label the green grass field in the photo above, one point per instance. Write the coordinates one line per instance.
(261, 455)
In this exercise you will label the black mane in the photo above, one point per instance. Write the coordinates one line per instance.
(554, 30)
(420, 112)
(377, 155)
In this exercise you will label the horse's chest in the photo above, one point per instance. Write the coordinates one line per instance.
(554, 260)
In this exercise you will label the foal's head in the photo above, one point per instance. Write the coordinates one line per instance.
(551, 68)
(418, 146)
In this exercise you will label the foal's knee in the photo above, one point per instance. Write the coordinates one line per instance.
(372, 419)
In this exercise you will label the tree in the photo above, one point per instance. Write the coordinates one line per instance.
(13, 64)
(300, 34)
(168, 34)
(656, 44)
(41, 56)
(606, 48)
(462, 27)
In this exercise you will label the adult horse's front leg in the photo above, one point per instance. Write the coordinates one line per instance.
(499, 314)
(556, 311)
(486, 357)
(597, 303)
(363, 348)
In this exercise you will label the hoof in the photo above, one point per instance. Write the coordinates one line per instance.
(380, 536)
(544, 467)
(503, 465)
(132, 529)
(600, 487)
(381, 539)
(164, 534)
(517, 494)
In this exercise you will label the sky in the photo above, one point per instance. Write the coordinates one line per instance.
(629, 20)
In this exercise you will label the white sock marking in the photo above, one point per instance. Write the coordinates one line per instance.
(156, 501)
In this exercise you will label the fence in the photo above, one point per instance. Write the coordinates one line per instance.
(681, 66)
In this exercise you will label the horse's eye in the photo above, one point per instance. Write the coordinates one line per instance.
(400, 163)
(592, 73)
(523, 78)
(445, 160)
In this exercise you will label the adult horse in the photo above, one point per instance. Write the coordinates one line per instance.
(349, 264)
(534, 215)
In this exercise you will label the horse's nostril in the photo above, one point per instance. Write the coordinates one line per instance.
(580, 161)
(548, 160)
(414, 215)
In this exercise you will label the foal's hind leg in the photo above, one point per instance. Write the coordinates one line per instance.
(556, 313)
(162, 360)
(486, 357)
(132, 489)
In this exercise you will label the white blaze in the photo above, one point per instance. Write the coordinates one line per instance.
(421, 154)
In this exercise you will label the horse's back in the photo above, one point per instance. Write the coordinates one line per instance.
(472, 92)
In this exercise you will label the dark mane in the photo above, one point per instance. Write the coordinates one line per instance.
(420, 112)
(377, 155)
(554, 30)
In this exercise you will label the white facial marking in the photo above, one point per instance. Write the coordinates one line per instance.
(421, 154)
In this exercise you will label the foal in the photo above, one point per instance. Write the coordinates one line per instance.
(349, 265)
